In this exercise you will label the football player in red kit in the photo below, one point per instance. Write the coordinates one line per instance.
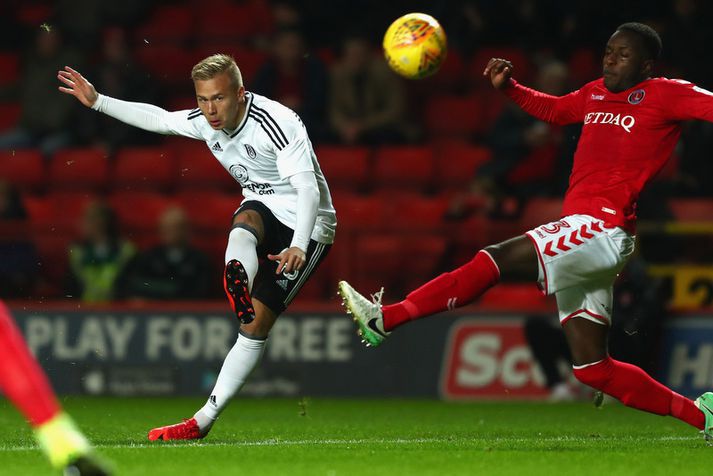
(24, 383)
(631, 123)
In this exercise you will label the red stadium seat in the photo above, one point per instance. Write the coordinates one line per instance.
(198, 169)
(454, 116)
(431, 253)
(139, 213)
(58, 212)
(359, 212)
(210, 211)
(396, 261)
(403, 167)
(53, 253)
(145, 168)
(79, 169)
(539, 211)
(9, 115)
(168, 64)
(692, 209)
(411, 211)
(169, 24)
(346, 168)
(584, 65)
(521, 63)
(457, 164)
(379, 262)
(23, 168)
(226, 22)
(248, 60)
(9, 68)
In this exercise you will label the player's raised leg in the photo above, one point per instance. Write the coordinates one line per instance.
(241, 262)
(26, 386)
(626, 382)
(513, 259)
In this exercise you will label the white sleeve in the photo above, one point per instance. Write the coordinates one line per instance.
(149, 117)
(293, 149)
(307, 206)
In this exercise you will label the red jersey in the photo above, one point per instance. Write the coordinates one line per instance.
(626, 138)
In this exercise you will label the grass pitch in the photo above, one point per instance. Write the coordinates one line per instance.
(374, 437)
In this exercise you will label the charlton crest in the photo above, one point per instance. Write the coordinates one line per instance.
(636, 96)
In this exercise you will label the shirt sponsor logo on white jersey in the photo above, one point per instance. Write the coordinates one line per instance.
(240, 173)
(625, 122)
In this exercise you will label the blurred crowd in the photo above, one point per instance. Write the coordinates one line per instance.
(322, 59)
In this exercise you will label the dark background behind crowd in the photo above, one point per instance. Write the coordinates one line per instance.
(96, 210)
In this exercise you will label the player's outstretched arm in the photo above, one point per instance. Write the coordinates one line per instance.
(77, 86)
(500, 71)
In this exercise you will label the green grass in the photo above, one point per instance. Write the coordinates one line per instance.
(375, 437)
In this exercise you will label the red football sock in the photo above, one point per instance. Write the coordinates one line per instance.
(636, 389)
(447, 291)
(21, 378)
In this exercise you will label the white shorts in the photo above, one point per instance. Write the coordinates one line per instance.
(580, 257)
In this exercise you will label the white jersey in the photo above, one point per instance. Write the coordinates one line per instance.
(269, 145)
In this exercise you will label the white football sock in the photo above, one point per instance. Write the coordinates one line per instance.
(238, 364)
(242, 246)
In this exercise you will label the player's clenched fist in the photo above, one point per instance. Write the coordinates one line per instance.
(77, 86)
(499, 70)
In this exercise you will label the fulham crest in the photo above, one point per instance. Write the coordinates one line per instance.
(250, 150)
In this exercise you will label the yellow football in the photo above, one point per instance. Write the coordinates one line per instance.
(415, 45)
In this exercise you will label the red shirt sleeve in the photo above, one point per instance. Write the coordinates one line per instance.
(684, 101)
(561, 110)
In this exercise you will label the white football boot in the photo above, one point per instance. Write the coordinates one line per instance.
(367, 314)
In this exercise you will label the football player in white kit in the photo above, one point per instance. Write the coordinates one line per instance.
(286, 217)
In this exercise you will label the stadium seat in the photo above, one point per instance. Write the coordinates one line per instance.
(403, 167)
(248, 60)
(198, 169)
(431, 253)
(209, 211)
(521, 63)
(53, 253)
(346, 168)
(454, 116)
(169, 64)
(169, 24)
(457, 164)
(539, 211)
(145, 168)
(359, 212)
(450, 74)
(139, 213)
(406, 212)
(57, 212)
(692, 209)
(9, 115)
(378, 262)
(584, 65)
(79, 169)
(23, 168)
(9, 68)
(226, 22)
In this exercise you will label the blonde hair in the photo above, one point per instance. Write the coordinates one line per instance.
(210, 67)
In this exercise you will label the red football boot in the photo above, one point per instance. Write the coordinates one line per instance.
(186, 430)
(235, 282)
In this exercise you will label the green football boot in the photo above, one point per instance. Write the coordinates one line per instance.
(367, 314)
(705, 404)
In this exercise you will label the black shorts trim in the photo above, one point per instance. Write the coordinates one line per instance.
(277, 291)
